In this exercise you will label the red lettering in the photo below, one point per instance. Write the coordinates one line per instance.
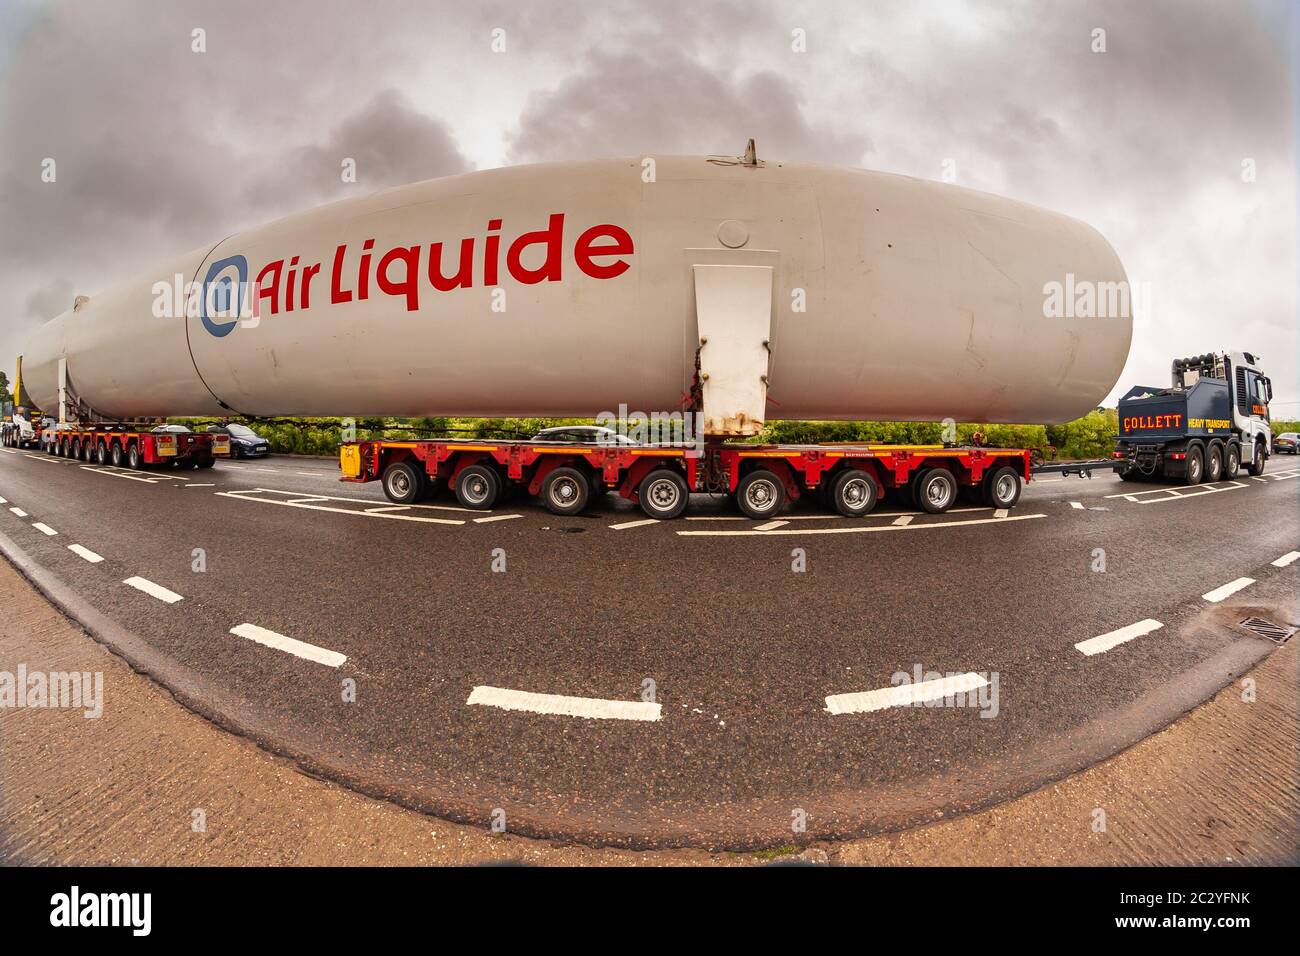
(463, 278)
(583, 252)
(549, 271)
(338, 293)
(308, 274)
(410, 284)
(274, 292)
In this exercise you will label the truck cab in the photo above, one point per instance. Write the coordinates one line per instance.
(1211, 420)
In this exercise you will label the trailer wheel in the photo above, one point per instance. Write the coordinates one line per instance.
(403, 483)
(115, 456)
(87, 451)
(1214, 463)
(76, 449)
(914, 486)
(1256, 466)
(101, 454)
(478, 487)
(663, 494)
(203, 463)
(937, 491)
(1195, 470)
(854, 493)
(63, 449)
(1232, 460)
(1002, 488)
(565, 491)
(133, 456)
(760, 494)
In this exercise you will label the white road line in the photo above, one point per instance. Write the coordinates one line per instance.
(491, 518)
(154, 590)
(1232, 587)
(623, 526)
(1000, 514)
(44, 528)
(313, 495)
(903, 522)
(147, 479)
(312, 474)
(1076, 505)
(297, 503)
(590, 707)
(43, 458)
(771, 526)
(1286, 559)
(203, 485)
(368, 510)
(1104, 642)
(904, 694)
(289, 645)
(1253, 478)
(19, 512)
(857, 529)
(1172, 494)
(86, 553)
(3, 501)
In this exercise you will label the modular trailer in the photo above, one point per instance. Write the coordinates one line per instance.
(847, 478)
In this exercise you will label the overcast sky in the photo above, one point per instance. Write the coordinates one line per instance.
(1178, 142)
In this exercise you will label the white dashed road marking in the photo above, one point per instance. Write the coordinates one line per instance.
(623, 526)
(771, 525)
(289, 645)
(886, 697)
(1104, 642)
(1001, 513)
(495, 518)
(568, 706)
(1076, 505)
(86, 553)
(19, 512)
(1286, 559)
(299, 500)
(44, 528)
(154, 590)
(1232, 587)
(861, 530)
(903, 522)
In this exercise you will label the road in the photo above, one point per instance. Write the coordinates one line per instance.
(710, 682)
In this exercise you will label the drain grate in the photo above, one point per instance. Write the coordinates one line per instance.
(1267, 629)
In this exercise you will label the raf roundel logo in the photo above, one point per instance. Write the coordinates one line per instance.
(223, 292)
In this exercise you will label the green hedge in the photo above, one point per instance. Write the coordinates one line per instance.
(1092, 436)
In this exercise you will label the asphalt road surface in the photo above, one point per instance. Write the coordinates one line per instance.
(711, 681)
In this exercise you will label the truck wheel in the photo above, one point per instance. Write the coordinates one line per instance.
(1002, 488)
(760, 494)
(1256, 466)
(76, 449)
(565, 491)
(1130, 474)
(203, 463)
(663, 494)
(133, 457)
(937, 491)
(87, 452)
(63, 449)
(478, 487)
(115, 456)
(914, 486)
(101, 454)
(1214, 463)
(1232, 460)
(854, 493)
(403, 483)
(1195, 470)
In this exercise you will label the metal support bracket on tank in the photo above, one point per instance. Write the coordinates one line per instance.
(733, 310)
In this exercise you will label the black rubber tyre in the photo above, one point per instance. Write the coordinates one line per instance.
(64, 450)
(1214, 463)
(566, 491)
(854, 493)
(1194, 473)
(87, 451)
(478, 487)
(75, 452)
(115, 455)
(403, 483)
(101, 453)
(1131, 475)
(133, 457)
(1257, 460)
(1231, 460)
(937, 491)
(914, 486)
(205, 462)
(663, 494)
(1002, 487)
(760, 494)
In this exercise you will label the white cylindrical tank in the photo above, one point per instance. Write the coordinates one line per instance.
(566, 289)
